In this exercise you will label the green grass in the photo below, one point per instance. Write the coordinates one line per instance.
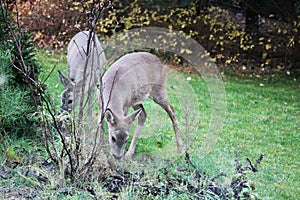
(51, 62)
(262, 117)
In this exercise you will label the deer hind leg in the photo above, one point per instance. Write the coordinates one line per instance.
(141, 121)
(162, 99)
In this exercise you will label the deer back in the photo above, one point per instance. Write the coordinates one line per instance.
(132, 79)
(77, 54)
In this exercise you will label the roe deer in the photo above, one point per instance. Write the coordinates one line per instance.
(128, 83)
(78, 59)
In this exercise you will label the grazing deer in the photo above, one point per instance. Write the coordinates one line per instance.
(128, 83)
(81, 62)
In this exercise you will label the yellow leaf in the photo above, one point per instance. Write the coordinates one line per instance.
(188, 51)
(228, 61)
(264, 55)
(219, 56)
(279, 30)
(147, 22)
(268, 46)
(268, 61)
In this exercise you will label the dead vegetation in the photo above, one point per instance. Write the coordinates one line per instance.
(188, 181)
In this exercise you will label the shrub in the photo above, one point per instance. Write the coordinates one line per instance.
(16, 104)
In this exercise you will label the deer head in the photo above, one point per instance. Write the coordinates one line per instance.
(119, 131)
(70, 95)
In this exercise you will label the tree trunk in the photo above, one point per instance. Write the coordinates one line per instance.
(251, 17)
(200, 4)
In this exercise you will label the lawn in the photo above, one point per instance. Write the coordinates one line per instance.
(262, 117)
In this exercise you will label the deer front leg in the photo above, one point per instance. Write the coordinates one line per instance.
(90, 100)
(141, 121)
(130, 152)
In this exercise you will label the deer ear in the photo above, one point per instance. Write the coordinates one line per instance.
(110, 117)
(64, 80)
(134, 115)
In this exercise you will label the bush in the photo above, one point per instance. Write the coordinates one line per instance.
(16, 104)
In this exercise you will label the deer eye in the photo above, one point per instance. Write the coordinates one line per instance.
(113, 139)
(70, 101)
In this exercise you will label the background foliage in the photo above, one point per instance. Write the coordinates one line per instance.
(270, 42)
